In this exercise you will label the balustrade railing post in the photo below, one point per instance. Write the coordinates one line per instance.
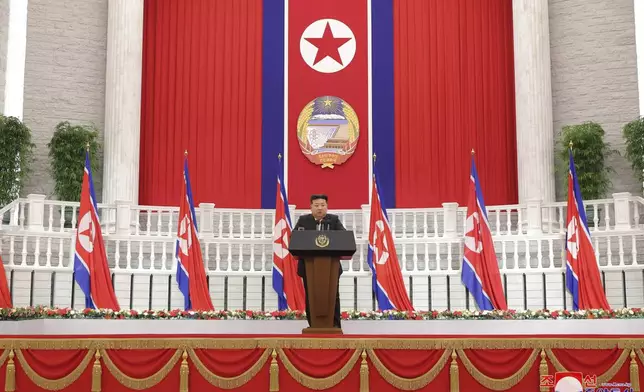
(366, 220)
(622, 202)
(207, 213)
(36, 212)
(534, 218)
(124, 218)
(450, 217)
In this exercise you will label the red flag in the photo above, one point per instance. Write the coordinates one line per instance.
(582, 273)
(5, 296)
(480, 272)
(90, 259)
(388, 283)
(286, 282)
(191, 274)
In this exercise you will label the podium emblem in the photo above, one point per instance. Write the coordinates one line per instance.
(322, 241)
(328, 131)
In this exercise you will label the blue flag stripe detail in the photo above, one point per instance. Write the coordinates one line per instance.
(382, 109)
(272, 95)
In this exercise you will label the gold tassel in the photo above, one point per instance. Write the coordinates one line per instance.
(635, 374)
(274, 372)
(96, 373)
(183, 373)
(364, 373)
(453, 374)
(10, 377)
(543, 370)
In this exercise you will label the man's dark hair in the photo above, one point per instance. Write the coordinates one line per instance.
(318, 197)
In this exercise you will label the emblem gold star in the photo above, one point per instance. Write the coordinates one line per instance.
(327, 102)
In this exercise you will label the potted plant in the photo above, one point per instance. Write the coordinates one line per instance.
(16, 153)
(67, 153)
(590, 152)
(633, 133)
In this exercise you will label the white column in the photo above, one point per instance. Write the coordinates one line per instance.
(123, 101)
(535, 148)
(638, 7)
(16, 52)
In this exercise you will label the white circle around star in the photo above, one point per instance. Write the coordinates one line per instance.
(327, 45)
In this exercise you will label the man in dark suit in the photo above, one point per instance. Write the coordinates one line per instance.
(318, 219)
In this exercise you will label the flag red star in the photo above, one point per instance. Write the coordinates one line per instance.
(328, 45)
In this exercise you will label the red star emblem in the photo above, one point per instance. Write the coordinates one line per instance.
(328, 45)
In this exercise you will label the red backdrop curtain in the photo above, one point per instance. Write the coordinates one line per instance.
(202, 93)
(454, 91)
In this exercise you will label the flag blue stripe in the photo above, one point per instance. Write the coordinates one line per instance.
(578, 198)
(573, 286)
(477, 184)
(81, 275)
(189, 192)
(382, 71)
(272, 96)
(383, 301)
(469, 278)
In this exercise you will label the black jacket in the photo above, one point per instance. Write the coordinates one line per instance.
(308, 222)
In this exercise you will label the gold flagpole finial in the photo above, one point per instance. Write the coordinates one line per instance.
(279, 156)
(87, 146)
(570, 144)
(185, 153)
(374, 157)
(472, 151)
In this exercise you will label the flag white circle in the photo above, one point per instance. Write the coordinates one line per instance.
(86, 232)
(339, 35)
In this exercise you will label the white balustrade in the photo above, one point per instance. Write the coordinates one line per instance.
(36, 236)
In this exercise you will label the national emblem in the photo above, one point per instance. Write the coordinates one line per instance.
(328, 131)
(322, 241)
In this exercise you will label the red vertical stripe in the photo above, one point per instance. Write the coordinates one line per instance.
(346, 184)
(202, 92)
(454, 91)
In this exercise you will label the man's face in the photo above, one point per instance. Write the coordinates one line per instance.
(318, 208)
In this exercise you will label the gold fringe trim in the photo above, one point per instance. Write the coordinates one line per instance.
(319, 343)
(140, 383)
(10, 375)
(409, 384)
(274, 373)
(543, 370)
(4, 356)
(318, 383)
(228, 382)
(453, 374)
(364, 372)
(184, 372)
(500, 384)
(54, 385)
(634, 373)
(604, 378)
(96, 373)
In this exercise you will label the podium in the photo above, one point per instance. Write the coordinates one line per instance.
(321, 252)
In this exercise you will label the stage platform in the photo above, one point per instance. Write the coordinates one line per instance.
(381, 328)
(273, 355)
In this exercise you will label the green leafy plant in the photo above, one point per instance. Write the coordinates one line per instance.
(67, 152)
(590, 152)
(16, 153)
(633, 133)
